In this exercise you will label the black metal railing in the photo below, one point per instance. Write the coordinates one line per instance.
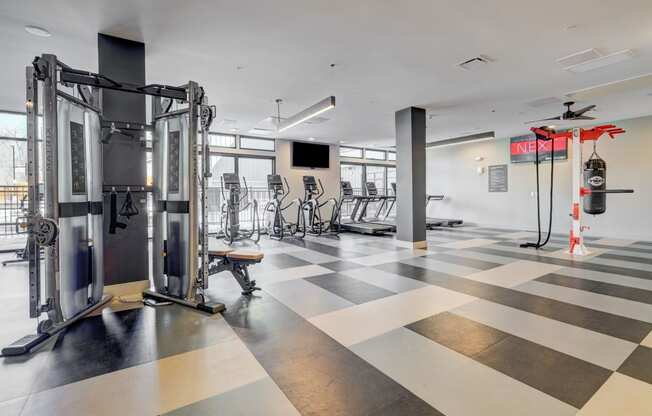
(13, 203)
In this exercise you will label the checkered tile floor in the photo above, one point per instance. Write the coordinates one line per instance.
(474, 325)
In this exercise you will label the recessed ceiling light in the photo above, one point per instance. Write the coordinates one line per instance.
(344, 141)
(312, 139)
(234, 130)
(38, 31)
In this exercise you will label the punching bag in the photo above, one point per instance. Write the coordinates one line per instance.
(595, 179)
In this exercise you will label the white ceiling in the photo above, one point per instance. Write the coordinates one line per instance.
(388, 55)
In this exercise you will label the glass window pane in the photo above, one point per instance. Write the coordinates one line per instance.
(391, 178)
(353, 174)
(391, 155)
(374, 154)
(219, 166)
(13, 125)
(350, 152)
(256, 144)
(221, 140)
(376, 174)
(13, 162)
(255, 171)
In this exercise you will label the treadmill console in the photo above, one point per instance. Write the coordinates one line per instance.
(347, 189)
(231, 181)
(274, 182)
(394, 188)
(371, 189)
(309, 183)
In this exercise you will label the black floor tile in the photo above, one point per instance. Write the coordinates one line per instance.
(341, 265)
(633, 259)
(460, 334)
(617, 326)
(317, 374)
(353, 290)
(639, 364)
(326, 249)
(644, 243)
(113, 341)
(562, 376)
(283, 261)
(642, 274)
(464, 261)
(383, 245)
(567, 378)
(603, 288)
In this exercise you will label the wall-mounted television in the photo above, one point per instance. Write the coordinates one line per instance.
(310, 155)
(523, 149)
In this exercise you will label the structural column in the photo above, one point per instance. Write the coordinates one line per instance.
(411, 177)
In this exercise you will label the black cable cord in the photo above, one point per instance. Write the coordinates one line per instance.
(536, 164)
(552, 181)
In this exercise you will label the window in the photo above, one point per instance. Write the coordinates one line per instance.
(374, 154)
(13, 125)
(353, 174)
(353, 152)
(219, 166)
(391, 156)
(376, 174)
(391, 178)
(254, 143)
(221, 140)
(13, 162)
(255, 170)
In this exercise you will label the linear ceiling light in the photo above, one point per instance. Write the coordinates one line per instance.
(310, 112)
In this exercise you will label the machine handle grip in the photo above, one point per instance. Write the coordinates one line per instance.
(612, 191)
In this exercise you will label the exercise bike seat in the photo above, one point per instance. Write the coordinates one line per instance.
(246, 255)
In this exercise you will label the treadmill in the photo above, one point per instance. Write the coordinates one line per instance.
(355, 223)
(385, 200)
(439, 222)
(431, 223)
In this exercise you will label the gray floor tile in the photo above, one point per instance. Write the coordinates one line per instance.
(639, 364)
(351, 289)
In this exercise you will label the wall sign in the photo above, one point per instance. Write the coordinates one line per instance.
(523, 149)
(497, 178)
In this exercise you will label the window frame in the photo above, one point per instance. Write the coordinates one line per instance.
(352, 148)
(384, 153)
(240, 146)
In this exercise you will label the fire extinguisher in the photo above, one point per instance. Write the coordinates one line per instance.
(595, 179)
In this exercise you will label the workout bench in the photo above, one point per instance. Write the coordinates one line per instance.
(235, 261)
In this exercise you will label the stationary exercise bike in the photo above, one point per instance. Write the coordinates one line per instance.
(235, 203)
(311, 208)
(276, 222)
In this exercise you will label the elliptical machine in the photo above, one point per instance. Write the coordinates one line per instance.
(276, 223)
(311, 208)
(233, 206)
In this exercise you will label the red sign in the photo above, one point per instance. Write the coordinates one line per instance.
(523, 149)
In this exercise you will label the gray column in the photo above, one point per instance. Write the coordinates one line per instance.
(411, 176)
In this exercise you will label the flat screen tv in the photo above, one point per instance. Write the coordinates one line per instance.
(523, 149)
(310, 155)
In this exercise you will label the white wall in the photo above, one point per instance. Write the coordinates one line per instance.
(330, 177)
(451, 170)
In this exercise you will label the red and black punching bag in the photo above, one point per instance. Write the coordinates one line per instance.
(595, 179)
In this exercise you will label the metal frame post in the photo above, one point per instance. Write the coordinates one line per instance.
(33, 192)
(576, 242)
(193, 239)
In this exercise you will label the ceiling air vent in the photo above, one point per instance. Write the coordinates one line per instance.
(592, 59)
(475, 63)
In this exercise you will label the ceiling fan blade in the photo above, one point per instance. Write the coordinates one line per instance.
(544, 119)
(584, 110)
(582, 118)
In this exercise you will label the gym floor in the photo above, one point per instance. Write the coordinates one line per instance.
(474, 325)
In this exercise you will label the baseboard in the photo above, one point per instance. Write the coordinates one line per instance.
(412, 244)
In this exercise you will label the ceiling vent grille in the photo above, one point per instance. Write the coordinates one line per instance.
(579, 58)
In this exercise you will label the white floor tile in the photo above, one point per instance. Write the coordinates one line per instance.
(453, 383)
(647, 342)
(305, 298)
(476, 242)
(616, 242)
(388, 257)
(389, 281)
(12, 407)
(441, 266)
(481, 256)
(623, 263)
(596, 348)
(355, 324)
(616, 306)
(513, 274)
(620, 395)
(291, 273)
